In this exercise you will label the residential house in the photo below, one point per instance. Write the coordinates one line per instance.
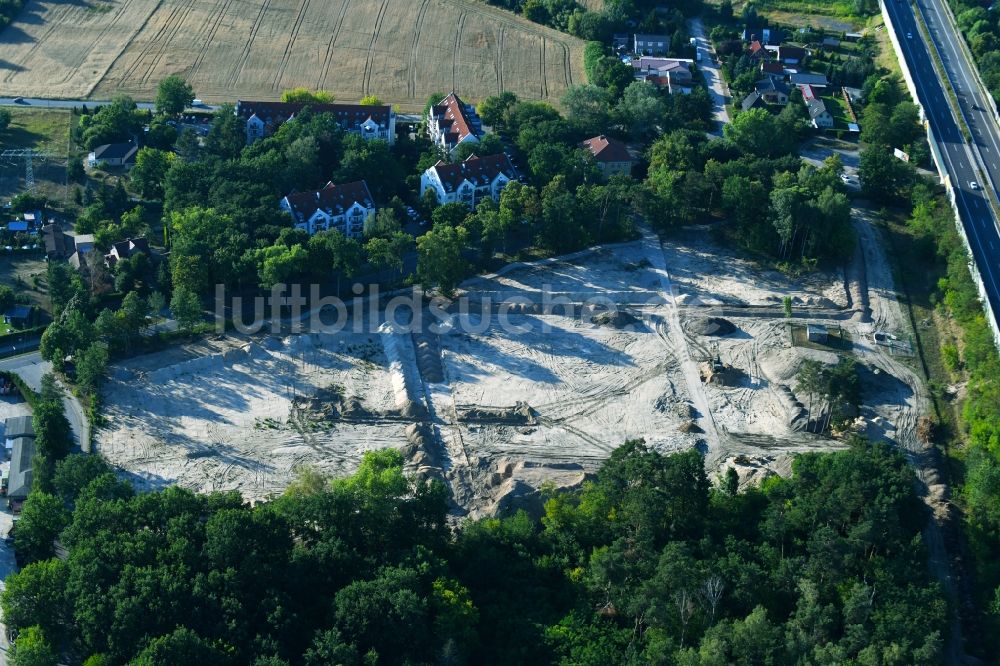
(673, 74)
(791, 55)
(819, 116)
(32, 218)
(83, 242)
(19, 481)
(758, 51)
(451, 122)
(651, 45)
(469, 182)
(18, 316)
(126, 249)
(807, 79)
(58, 243)
(772, 91)
(753, 101)
(772, 69)
(611, 154)
(113, 154)
(342, 207)
(367, 121)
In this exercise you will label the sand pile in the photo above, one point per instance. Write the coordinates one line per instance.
(520, 414)
(716, 326)
(331, 404)
(615, 318)
(782, 365)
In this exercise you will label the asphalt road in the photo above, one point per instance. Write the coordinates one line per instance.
(709, 67)
(31, 368)
(976, 215)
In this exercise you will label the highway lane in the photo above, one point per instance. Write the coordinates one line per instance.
(976, 107)
(975, 212)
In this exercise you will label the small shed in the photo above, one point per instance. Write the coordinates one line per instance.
(817, 333)
(18, 315)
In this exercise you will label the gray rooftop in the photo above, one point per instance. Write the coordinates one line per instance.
(18, 426)
(19, 484)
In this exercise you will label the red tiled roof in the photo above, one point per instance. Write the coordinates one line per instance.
(605, 149)
(450, 115)
(756, 47)
(333, 199)
(477, 170)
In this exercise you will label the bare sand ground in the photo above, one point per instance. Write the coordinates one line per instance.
(497, 406)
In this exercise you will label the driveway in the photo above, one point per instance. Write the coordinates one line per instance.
(709, 67)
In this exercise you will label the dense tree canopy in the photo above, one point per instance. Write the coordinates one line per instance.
(645, 564)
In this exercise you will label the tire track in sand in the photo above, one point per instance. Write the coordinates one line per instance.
(137, 62)
(53, 24)
(501, 45)
(369, 61)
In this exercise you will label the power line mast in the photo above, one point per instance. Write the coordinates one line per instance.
(28, 155)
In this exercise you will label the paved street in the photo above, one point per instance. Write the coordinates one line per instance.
(31, 368)
(709, 67)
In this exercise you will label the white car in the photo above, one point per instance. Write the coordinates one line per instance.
(973, 184)
(844, 177)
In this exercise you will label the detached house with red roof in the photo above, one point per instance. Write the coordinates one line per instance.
(452, 122)
(611, 154)
(369, 122)
(469, 182)
(341, 207)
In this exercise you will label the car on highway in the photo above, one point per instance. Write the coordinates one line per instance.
(909, 35)
(973, 184)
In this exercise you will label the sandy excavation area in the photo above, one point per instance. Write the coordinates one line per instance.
(679, 347)
(224, 415)
(401, 50)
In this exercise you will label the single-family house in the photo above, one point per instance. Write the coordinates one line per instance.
(18, 316)
(806, 79)
(611, 154)
(651, 45)
(791, 55)
(113, 154)
(126, 249)
(19, 481)
(758, 51)
(343, 207)
(58, 243)
(753, 101)
(772, 69)
(83, 243)
(819, 116)
(469, 182)
(772, 91)
(367, 121)
(674, 74)
(451, 122)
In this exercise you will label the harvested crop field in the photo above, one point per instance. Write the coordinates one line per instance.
(401, 50)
